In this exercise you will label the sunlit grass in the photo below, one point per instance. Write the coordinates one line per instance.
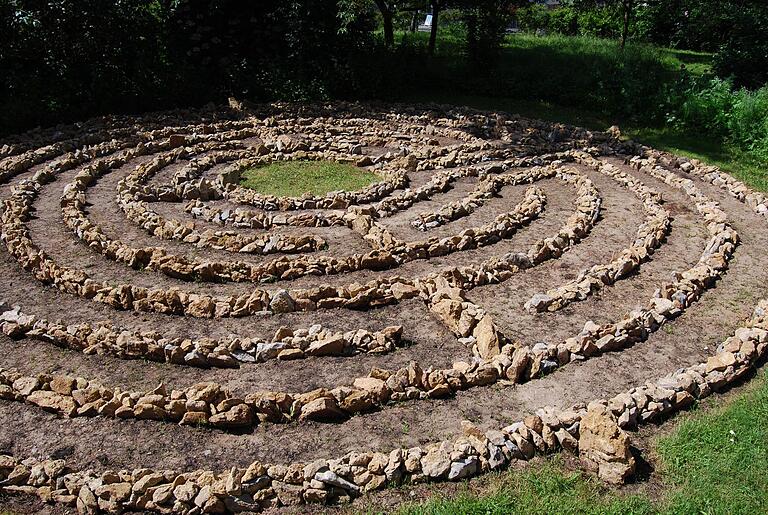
(714, 461)
(295, 178)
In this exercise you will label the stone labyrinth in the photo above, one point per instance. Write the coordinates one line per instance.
(174, 342)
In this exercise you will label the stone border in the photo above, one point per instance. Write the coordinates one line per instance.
(230, 352)
(261, 486)
(650, 235)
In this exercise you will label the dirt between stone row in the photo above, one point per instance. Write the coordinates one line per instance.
(52, 235)
(680, 251)
(102, 444)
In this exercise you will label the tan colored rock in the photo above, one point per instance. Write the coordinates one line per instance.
(63, 385)
(238, 417)
(52, 401)
(290, 354)
(323, 409)
(488, 339)
(605, 447)
(332, 346)
(449, 311)
(376, 386)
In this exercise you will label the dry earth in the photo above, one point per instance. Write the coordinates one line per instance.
(419, 143)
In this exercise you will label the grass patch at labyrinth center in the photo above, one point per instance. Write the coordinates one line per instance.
(295, 178)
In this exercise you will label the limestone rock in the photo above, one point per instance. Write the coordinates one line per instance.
(51, 401)
(604, 446)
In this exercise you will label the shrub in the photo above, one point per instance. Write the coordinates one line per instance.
(564, 20)
(744, 55)
(533, 18)
(748, 124)
(738, 116)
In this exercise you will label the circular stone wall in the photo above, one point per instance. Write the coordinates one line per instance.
(175, 342)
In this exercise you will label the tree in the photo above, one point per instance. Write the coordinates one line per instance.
(627, 7)
(486, 22)
(387, 10)
(437, 6)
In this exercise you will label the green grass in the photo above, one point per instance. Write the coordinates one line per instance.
(743, 165)
(697, 63)
(544, 489)
(714, 461)
(295, 178)
(718, 462)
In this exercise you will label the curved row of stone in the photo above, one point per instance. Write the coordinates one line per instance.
(593, 431)
(487, 188)
(15, 234)
(74, 203)
(286, 344)
(649, 237)
(476, 329)
(496, 360)
(520, 363)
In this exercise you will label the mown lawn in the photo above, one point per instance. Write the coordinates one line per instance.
(294, 178)
(714, 461)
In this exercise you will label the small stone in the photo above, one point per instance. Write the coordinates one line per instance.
(51, 401)
(332, 346)
(238, 417)
(463, 468)
(323, 409)
(282, 302)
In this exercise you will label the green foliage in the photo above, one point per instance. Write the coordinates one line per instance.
(542, 489)
(294, 178)
(486, 22)
(737, 30)
(744, 54)
(604, 21)
(739, 116)
(533, 18)
(588, 72)
(68, 59)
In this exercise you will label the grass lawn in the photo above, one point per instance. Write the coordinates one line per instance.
(294, 178)
(713, 461)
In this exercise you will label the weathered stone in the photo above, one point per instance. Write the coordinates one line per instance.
(604, 446)
(463, 468)
(238, 417)
(281, 302)
(332, 346)
(488, 340)
(51, 401)
(323, 409)
(436, 463)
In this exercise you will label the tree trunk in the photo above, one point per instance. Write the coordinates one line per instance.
(415, 21)
(389, 31)
(625, 30)
(433, 28)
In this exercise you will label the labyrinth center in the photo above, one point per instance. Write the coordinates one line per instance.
(174, 342)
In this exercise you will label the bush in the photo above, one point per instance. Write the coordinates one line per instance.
(602, 22)
(533, 18)
(744, 55)
(738, 116)
(748, 124)
(564, 20)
